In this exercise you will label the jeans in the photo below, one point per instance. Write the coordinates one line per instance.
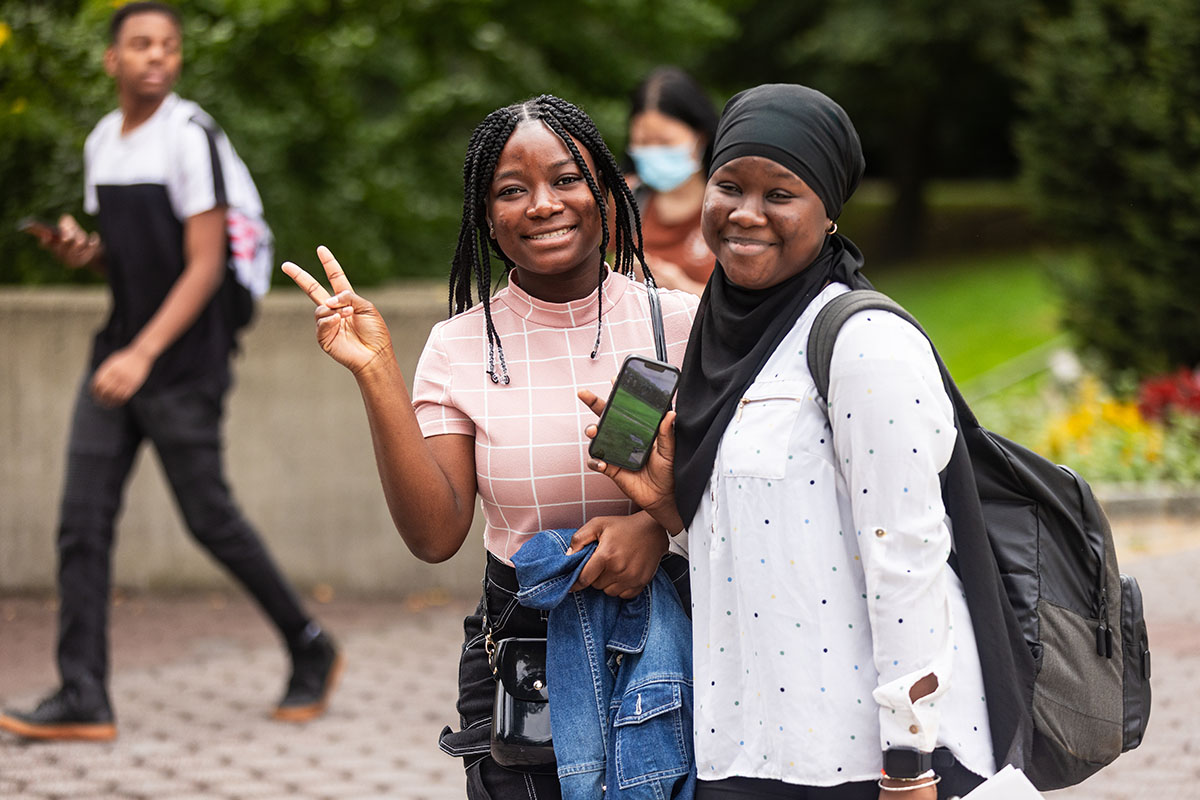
(620, 677)
(477, 688)
(183, 423)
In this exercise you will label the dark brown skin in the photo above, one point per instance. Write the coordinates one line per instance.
(430, 484)
(765, 225)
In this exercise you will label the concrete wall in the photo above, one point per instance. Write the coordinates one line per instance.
(298, 453)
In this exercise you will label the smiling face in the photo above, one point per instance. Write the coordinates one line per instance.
(762, 221)
(145, 57)
(545, 217)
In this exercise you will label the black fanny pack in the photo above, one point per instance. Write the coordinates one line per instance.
(520, 735)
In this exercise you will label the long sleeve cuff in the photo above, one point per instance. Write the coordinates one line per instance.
(903, 723)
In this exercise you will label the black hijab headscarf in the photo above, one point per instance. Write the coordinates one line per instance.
(737, 329)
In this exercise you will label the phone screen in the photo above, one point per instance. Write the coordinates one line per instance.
(639, 399)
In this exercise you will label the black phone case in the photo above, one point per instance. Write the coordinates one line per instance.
(600, 424)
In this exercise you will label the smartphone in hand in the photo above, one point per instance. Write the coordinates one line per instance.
(640, 398)
(42, 229)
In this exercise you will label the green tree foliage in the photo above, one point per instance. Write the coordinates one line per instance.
(928, 83)
(353, 115)
(52, 90)
(1111, 149)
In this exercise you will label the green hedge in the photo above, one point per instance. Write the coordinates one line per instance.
(1111, 149)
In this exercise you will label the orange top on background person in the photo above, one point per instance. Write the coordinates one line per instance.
(671, 126)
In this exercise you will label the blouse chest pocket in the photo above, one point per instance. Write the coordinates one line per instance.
(756, 444)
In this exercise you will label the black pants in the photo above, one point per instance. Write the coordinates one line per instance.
(487, 780)
(183, 423)
(956, 781)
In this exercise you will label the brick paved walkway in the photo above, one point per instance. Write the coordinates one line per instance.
(195, 678)
(193, 717)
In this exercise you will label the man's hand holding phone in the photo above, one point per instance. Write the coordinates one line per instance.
(67, 241)
(43, 230)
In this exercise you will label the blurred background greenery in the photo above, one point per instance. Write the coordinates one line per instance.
(1033, 165)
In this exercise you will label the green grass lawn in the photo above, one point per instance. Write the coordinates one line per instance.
(982, 311)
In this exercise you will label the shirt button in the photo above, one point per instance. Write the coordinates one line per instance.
(880, 532)
(913, 729)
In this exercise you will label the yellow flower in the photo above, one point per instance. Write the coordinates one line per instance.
(19, 105)
(1089, 392)
(5, 33)
(1154, 443)
(1122, 415)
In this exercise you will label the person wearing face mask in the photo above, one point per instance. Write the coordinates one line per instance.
(671, 128)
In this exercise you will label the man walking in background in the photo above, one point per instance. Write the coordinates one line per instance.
(163, 180)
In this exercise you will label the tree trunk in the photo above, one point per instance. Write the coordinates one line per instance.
(908, 171)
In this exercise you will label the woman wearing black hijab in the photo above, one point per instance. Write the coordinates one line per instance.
(829, 631)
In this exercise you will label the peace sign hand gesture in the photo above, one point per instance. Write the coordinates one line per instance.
(349, 328)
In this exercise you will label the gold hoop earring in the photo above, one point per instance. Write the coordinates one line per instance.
(491, 229)
(832, 229)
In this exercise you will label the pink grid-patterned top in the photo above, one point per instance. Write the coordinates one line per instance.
(529, 442)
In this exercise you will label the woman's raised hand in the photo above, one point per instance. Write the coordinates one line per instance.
(349, 328)
(653, 487)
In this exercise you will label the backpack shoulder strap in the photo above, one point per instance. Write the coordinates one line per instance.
(213, 134)
(1008, 667)
(829, 322)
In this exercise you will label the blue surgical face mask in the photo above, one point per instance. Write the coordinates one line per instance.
(664, 168)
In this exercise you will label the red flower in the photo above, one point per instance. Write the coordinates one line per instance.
(1177, 393)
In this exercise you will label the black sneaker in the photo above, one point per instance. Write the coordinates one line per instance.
(63, 716)
(316, 667)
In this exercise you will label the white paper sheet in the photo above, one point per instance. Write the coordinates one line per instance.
(1007, 784)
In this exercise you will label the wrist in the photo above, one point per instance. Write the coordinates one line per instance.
(901, 788)
(906, 764)
(887, 782)
(667, 515)
(382, 366)
(653, 530)
(143, 349)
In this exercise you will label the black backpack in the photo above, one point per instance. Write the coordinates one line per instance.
(1062, 641)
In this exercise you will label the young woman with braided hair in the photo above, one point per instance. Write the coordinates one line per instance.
(494, 408)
